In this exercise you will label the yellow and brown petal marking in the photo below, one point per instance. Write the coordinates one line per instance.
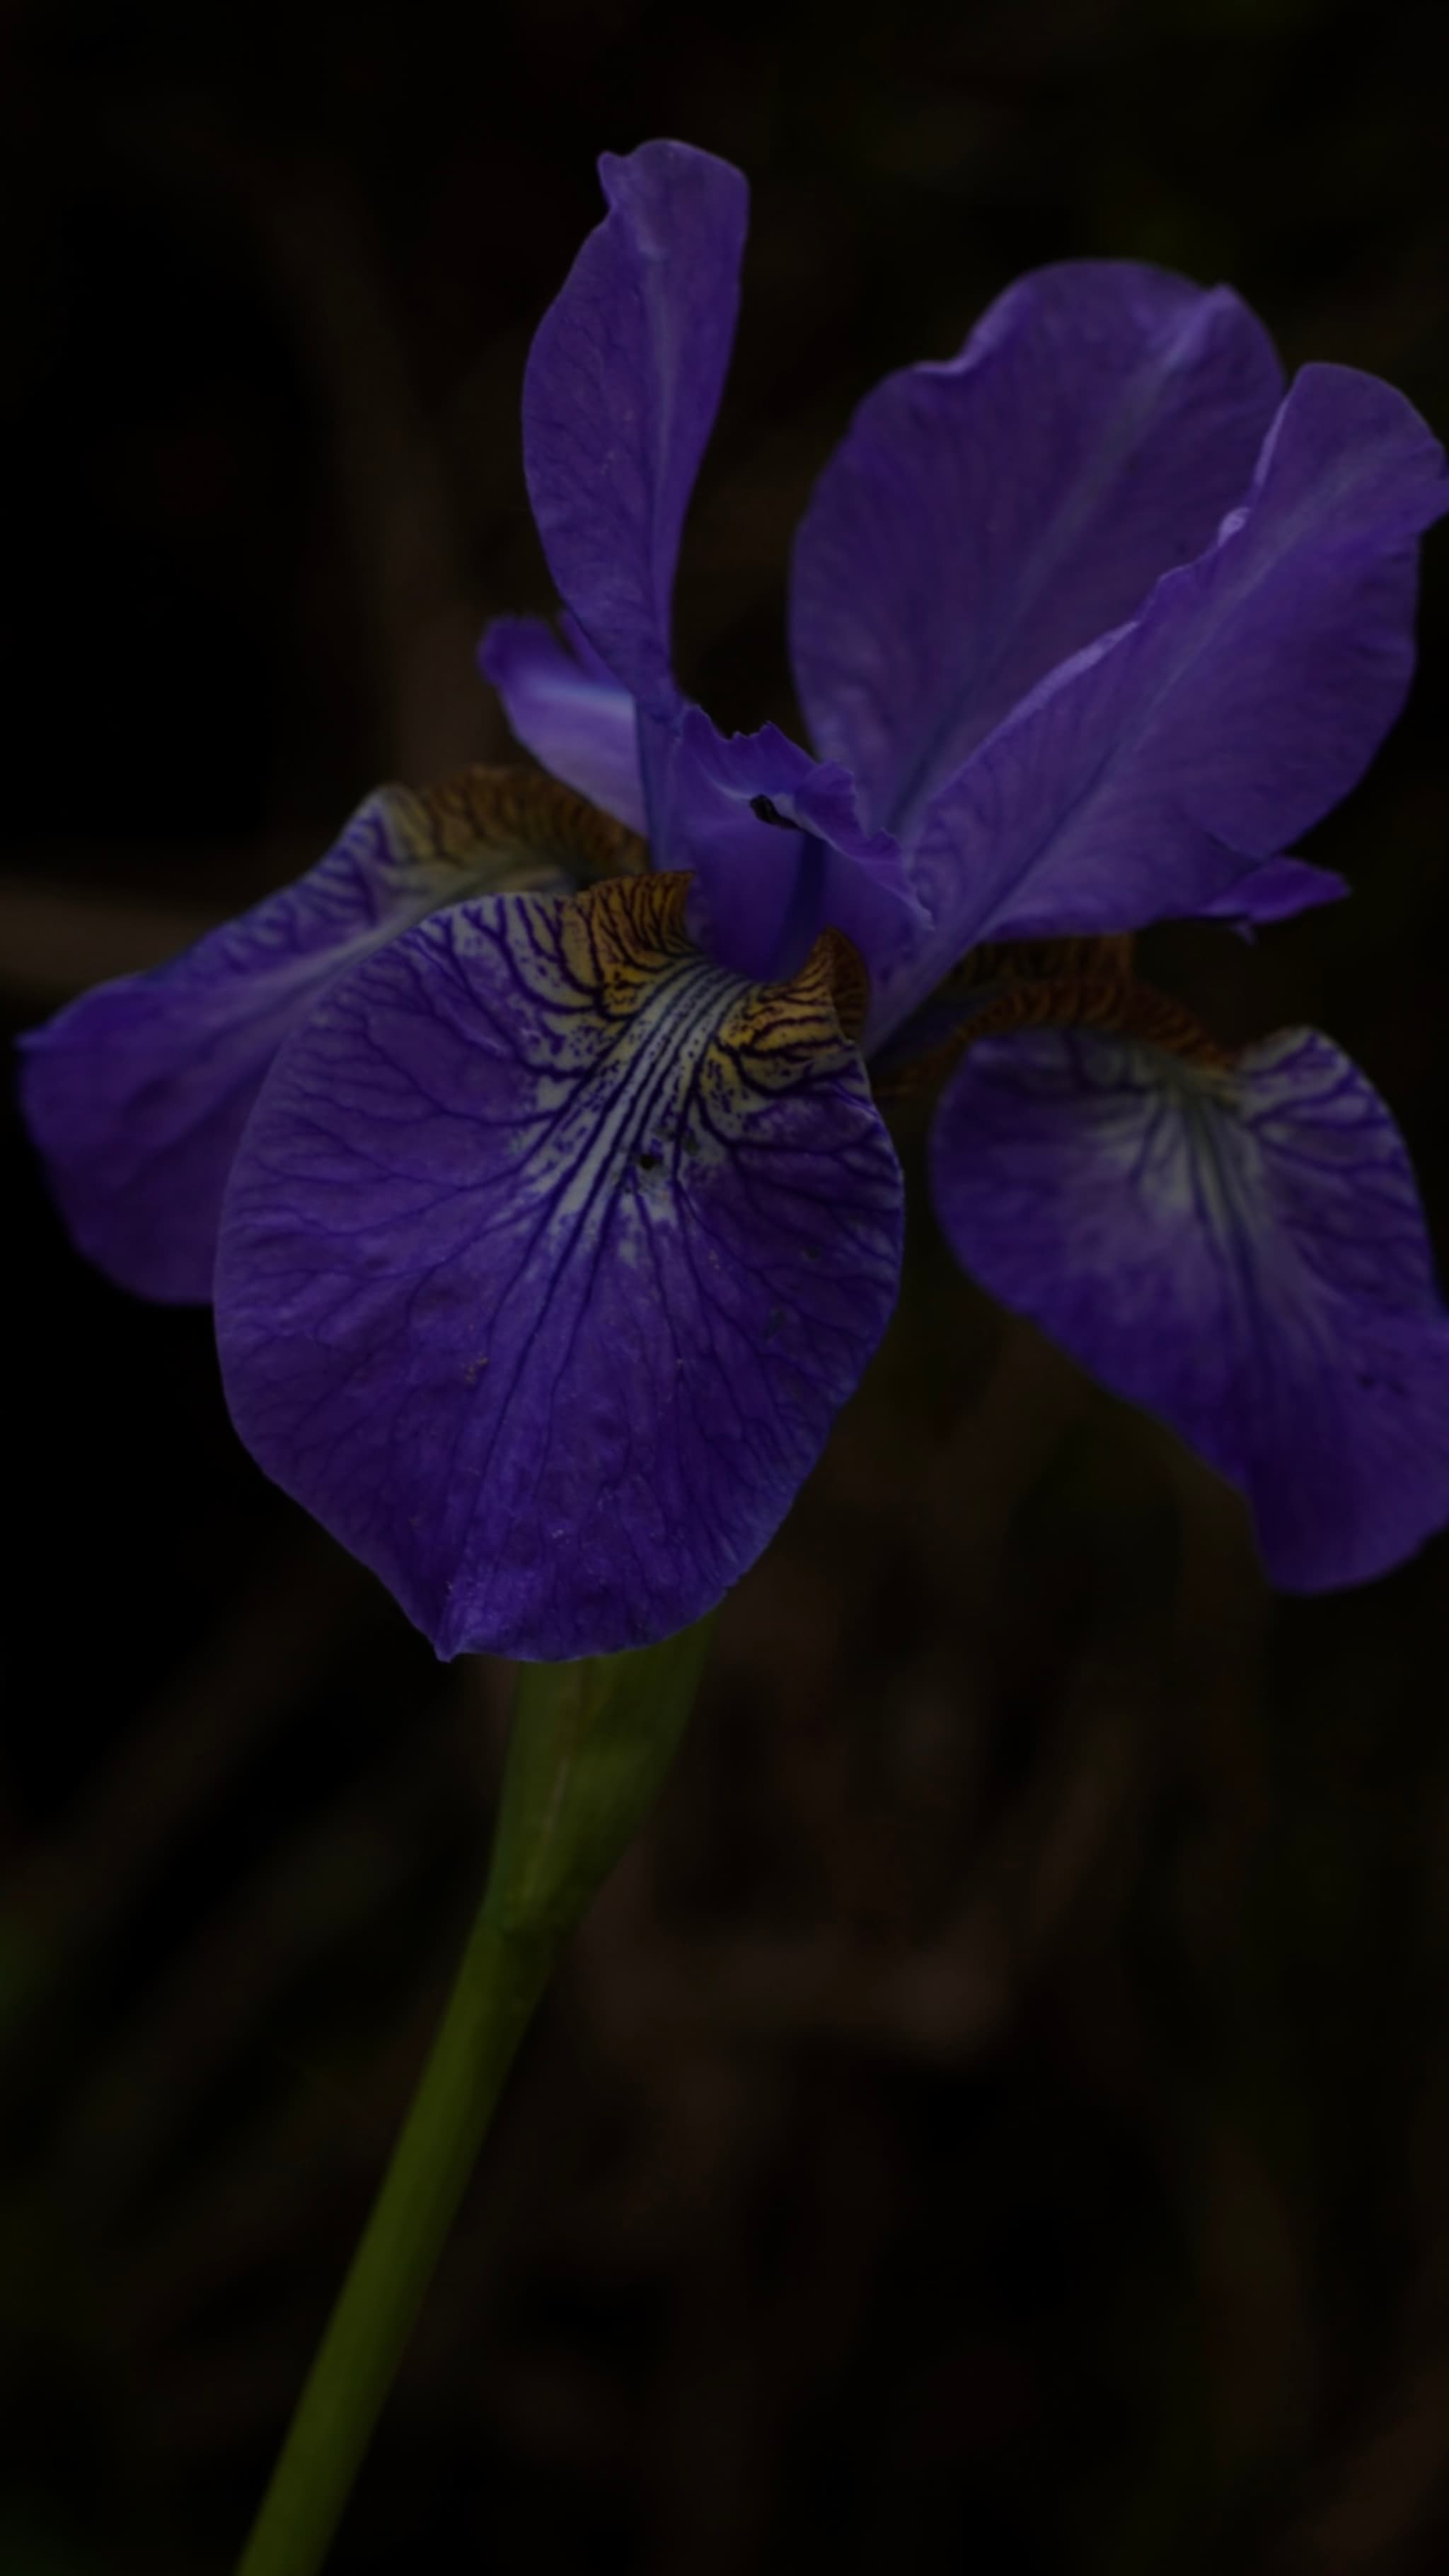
(618, 936)
(1003, 990)
(507, 828)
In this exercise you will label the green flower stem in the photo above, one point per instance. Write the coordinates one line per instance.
(590, 1745)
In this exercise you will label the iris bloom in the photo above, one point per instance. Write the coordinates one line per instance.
(529, 1144)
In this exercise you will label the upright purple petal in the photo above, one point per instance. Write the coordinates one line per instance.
(1240, 1252)
(549, 1254)
(778, 854)
(1144, 778)
(620, 395)
(984, 519)
(137, 1094)
(574, 717)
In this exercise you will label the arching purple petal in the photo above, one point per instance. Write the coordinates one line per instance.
(984, 519)
(1242, 1253)
(1142, 779)
(620, 394)
(1275, 891)
(573, 716)
(137, 1094)
(549, 1254)
(778, 854)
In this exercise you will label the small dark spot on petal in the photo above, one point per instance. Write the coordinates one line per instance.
(768, 813)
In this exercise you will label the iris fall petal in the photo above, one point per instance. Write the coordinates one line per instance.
(1241, 1251)
(137, 1095)
(551, 1251)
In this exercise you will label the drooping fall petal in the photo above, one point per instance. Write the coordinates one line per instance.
(137, 1094)
(1241, 1251)
(550, 1253)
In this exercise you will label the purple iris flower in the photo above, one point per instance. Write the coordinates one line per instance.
(536, 1167)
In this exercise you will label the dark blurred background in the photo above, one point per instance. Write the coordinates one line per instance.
(999, 2118)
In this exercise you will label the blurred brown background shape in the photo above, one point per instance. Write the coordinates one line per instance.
(999, 2121)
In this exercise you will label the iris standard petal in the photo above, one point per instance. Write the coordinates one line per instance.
(779, 854)
(137, 1094)
(561, 701)
(549, 1254)
(1239, 1250)
(620, 394)
(986, 518)
(1144, 778)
